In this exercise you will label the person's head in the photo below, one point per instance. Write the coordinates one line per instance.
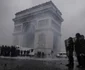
(78, 35)
(82, 36)
(70, 38)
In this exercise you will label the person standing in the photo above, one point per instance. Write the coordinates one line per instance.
(66, 46)
(70, 49)
(78, 49)
(82, 54)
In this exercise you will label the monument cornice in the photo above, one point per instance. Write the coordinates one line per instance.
(35, 14)
(56, 15)
(30, 13)
(44, 5)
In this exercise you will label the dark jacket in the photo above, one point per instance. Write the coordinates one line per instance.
(78, 46)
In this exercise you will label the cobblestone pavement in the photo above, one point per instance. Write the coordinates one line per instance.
(33, 64)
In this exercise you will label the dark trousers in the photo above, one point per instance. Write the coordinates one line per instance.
(79, 59)
(71, 60)
(83, 60)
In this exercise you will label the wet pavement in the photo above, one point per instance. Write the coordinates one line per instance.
(35, 64)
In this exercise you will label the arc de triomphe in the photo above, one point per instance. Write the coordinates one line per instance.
(39, 27)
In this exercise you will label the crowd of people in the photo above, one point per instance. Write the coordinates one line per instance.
(9, 50)
(76, 45)
(14, 51)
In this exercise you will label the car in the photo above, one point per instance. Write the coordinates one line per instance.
(61, 55)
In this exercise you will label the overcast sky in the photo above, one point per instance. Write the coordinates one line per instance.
(73, 13)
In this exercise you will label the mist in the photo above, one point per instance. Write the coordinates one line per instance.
(73, 13)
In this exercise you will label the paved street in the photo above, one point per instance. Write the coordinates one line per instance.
(31, 64)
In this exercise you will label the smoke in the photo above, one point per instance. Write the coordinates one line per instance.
(73, 13)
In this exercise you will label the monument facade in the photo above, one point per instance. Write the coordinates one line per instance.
(39, 27)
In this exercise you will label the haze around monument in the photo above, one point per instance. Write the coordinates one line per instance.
(73, 13)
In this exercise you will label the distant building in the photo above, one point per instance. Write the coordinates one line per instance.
(39, 27)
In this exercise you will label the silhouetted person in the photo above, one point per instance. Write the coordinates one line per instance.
(66, 46)
(28, 53)
(82, 53)
(70, 49)
(21, 53)
(43, 55)
(78, 49)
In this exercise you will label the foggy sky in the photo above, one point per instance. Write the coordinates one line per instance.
(73, 13)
